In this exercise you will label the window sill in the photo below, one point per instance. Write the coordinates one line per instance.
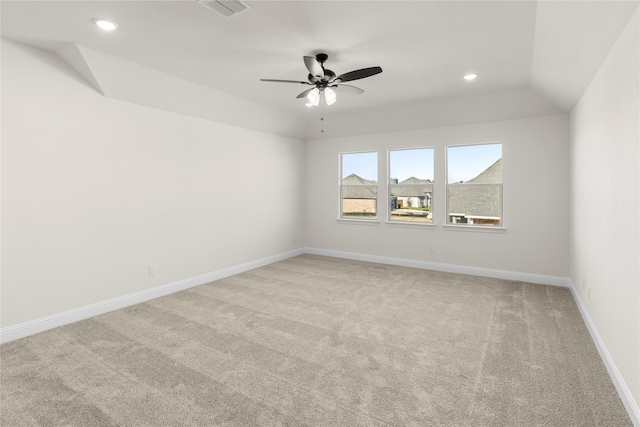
(416, 224)
(472, 228)
(358, 221)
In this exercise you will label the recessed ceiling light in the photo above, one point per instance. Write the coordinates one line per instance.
(470, 76)
(105, 25)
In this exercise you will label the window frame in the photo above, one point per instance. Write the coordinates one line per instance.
(375, 187)
(431, 185)
(448, 222)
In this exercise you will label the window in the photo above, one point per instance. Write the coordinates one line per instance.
(411, 185)
(474, 185)
(359, 185)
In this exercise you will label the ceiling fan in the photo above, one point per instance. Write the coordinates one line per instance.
(324, 81)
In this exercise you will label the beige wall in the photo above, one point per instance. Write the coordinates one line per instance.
(605, 199)
(536, 198)
(94, 190)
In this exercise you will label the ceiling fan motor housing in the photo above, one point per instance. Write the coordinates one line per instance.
(321, 57)
(328, 74)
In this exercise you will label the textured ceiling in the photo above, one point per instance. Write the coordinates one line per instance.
(424, 47)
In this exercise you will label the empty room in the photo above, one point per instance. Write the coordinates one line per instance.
(320, 213)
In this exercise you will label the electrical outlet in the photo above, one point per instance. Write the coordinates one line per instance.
(431, 249)
(152, 270)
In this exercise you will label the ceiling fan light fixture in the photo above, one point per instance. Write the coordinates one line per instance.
(104, 24)
(314, 98)
(329, 96)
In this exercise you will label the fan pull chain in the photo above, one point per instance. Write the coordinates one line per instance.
(321, 124)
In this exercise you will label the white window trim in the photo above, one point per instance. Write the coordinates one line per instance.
(410, 224)
(358, 221)
(376, 186)
(471, 227)
(389, 220)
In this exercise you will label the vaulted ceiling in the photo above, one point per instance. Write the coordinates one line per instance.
(543, 52)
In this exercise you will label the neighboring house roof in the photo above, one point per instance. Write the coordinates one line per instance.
(354, 179)
(482, 202)
(415, 181)
(358, 193)
(399, 191)
(491, 175)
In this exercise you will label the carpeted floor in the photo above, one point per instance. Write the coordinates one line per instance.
(322, 342)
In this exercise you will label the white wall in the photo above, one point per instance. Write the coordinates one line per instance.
(605, 218)
(95, 189)
(434, 112)
(536, 199)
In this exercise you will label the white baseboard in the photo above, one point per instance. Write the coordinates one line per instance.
(621, 386)
(449, 268)
(32, 327)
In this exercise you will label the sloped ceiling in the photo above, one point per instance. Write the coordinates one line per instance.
(571, 41)
(531, 57)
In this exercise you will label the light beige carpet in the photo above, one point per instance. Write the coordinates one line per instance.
(321, 342)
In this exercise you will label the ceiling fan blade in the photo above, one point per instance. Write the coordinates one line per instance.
(284, 81)
(305, 93)
(347, 89)
(359, 74)
(314, 67)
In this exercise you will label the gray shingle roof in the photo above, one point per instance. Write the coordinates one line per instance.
(358, 193)
(478, 201)
(415, 181)
(468, 201)
(354, 179)
(399, 191)
(491, 175)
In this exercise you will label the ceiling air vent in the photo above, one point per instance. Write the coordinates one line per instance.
(226, 8)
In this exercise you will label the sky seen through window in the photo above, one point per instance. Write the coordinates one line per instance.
(464, 162)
